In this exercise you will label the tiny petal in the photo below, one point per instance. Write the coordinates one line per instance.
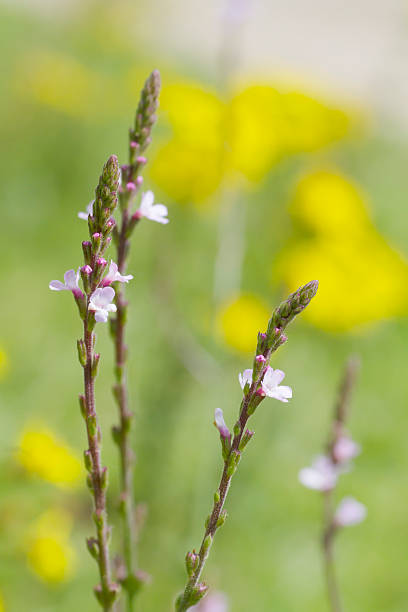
(270, 385)
(101, 316)
(260, 359)
(245, 377)
(349, 512)
(56, 285)
(220, 423)
(154, 212)
(89, 211)
(321, 476)
(345, 449)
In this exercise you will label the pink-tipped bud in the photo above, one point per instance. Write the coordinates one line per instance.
(263, 336)
(130, 186)
(101, 262)
(220, 424)
(87, 270)
(260, 359)
(108, 240)
(139, 180)
(260, 392)
(134, 145)
(96, 236)
(141, 159)
(137, 215)
(110, 224)
(125, 167)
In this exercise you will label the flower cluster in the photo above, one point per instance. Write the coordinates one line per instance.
(100, 300)
(97, 296)
(323, 474)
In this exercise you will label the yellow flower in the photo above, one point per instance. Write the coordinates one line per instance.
(240, 319)
(40, 452)
(4, 366)
(49, 553)
(2, 606)
(362, 278)
(242, 136)
(67, 85)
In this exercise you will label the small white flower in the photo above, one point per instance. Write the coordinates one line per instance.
(154, 212)
(321, 476)
(70, 283)
(214, 602)
(345, 449)
(270, 385)
(244, 378)
(349, 512)
(89, 211)
(114, 276)
(100, 302)
(220, 423)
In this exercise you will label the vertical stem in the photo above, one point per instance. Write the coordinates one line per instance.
(125, 417)
(98, 474)
(328, 556)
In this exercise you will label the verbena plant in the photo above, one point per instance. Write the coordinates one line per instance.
(112, 217)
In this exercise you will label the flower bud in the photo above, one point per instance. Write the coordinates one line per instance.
(93, 547)
(95, 363)
(87, 251)
(88, 460)
(245, 439)
(86, 272)
(192, 560)
(81, 352)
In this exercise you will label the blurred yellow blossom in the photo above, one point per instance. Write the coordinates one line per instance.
(240, 319)
(49, 552)
(40, 452)
(362, 278)
(67, 85)
(4, 363)
(2, 606)
(244, 135)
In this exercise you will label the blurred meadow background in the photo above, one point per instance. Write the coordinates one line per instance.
(281, 152)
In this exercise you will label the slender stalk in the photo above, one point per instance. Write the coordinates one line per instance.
(139, 139)
(268, 343)
(328, 556)
(100, 225)
(329, 523)
(98, 478)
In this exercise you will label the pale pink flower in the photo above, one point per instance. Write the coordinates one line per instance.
(220, 423)
(70, 283)
(271, 387)
(154, 212)
(215, 602)
(321, 476)
(100, 303)
(114, 276)
(89, 210)
(345, 449)
(349, 512)
(270, 384)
